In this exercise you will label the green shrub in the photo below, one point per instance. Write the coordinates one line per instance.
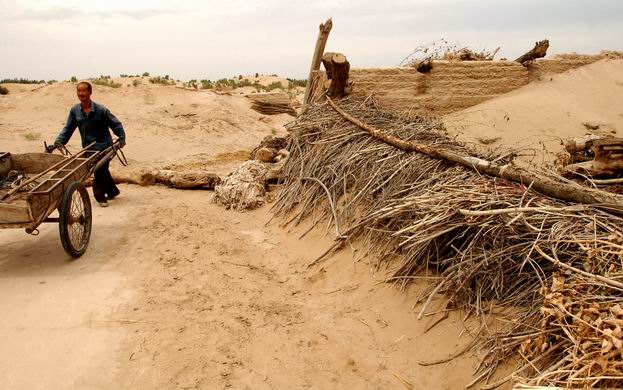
(4, 90)
(31, 136)
(105, 81)
(292, 83)
(206, 84)
(136, 83)
(73, 79)
(191, 84)
(161, 80)
(146, 74)
(274, 85)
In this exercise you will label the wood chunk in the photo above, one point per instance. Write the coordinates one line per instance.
(424, 66)
(608, 160)
(337, 68)
(538, 51)
(266, 154)
(270, 142)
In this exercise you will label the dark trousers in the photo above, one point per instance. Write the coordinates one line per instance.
(103, 184)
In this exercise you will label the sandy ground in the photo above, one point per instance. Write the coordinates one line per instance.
(175, 292)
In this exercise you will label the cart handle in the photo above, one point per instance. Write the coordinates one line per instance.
(110, 153)
(62, 148)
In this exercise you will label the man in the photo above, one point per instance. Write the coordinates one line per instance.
(93, 120)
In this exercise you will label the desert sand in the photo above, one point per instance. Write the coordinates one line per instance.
(176, 292)
(536, 118)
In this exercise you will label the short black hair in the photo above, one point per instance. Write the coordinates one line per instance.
(89, 86)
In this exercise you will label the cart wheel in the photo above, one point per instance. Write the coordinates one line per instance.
(75, 219)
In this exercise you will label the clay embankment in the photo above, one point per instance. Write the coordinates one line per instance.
(454, 86)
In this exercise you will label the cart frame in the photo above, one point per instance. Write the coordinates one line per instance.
(61, 186)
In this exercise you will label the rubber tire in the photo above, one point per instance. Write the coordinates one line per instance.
(65, 213)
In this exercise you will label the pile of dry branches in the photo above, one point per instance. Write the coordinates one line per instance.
(272, 103)
(501, 251)
(443, 50)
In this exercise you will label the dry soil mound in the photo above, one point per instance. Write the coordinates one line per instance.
(585, 100)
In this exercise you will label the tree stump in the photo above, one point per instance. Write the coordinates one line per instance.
(337, 67)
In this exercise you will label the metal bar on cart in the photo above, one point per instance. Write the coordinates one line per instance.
(16, 189)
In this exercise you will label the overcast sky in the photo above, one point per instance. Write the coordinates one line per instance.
(213, 39)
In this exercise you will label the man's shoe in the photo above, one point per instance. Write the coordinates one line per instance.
(103, 204)
(111, 197)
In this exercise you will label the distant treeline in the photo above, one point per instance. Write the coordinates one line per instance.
(236, 82)
(5, 90)
(243, 82)
(23, 81)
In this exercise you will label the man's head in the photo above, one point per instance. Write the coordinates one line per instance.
(84, 90)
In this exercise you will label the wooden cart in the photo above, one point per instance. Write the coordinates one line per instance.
(56, 185)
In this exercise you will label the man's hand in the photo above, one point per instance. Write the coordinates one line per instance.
(57, 145)
(50, 148)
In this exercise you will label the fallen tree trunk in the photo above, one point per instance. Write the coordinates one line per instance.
(188, 180)
(185, 180)
(538, 51)
(557, 189)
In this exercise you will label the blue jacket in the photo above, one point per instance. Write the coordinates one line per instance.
(93, 127)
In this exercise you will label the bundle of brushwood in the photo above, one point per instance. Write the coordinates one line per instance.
(543, 275)
(272, 103)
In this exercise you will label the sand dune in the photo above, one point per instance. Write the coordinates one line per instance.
(542, 113)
